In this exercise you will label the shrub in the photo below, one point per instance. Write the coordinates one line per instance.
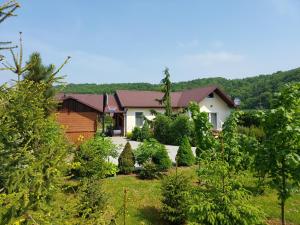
(185, 156)
(136, 134)
(149, 171)
(252, 131)
(126, 160)
(175, 198)
(161, 129)
(129, 135)
(93, 201)
(93, 158)
(146, 132)
(221, 199)
(152, 150)
(181, 126)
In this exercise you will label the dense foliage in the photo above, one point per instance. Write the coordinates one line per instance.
(175, 189)
(155, 152)
(221, 199)
(279, 155)
(172, 130)
(185, 156)
(126, 160)
(32, 155)
(204, 139)
(92, 158)
(254, 92)
(141, 134)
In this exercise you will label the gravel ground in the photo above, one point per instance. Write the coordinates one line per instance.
(172, 150)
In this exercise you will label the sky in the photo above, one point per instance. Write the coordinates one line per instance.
(134, 40)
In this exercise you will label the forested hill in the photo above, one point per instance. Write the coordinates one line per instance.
(254, 92)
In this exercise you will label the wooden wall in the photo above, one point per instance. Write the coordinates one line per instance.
(78, 120)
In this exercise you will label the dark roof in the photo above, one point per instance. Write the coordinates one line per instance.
(148, 99)
(94, 101)
(145, 99)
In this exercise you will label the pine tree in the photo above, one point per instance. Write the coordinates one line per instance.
(126, 160)
(166, 89)
(185, 156)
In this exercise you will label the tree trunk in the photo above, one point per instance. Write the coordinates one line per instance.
(283, 190)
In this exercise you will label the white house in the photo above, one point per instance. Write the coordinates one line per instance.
(128, 108)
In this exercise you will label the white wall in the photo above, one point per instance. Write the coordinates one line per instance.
(213, 105)
(130, 116)
(216, 105)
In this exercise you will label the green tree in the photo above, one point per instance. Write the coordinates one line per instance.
(175, 191)
(93, 158)
(152, 150)
(221, 199)
(205, 141)
(37, 72)
(166, 89)
(162, 126)
(126, 160)
(181, 126)
(185, 156)
(146, 132)
(279, 157)
(32, 155)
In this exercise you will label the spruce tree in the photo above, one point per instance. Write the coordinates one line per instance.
(126, 160)
(166, 89)
(185, 156)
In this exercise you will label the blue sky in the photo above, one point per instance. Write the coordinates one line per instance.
(134, 40)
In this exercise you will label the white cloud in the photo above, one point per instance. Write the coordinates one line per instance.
(212, 58)
(286, 7)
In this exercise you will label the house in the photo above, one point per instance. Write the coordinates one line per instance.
(80, 113)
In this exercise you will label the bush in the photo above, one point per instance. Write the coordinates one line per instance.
(181, 126)
(149, 171)
(129, 135)
(126, 160)
(185, 156)
(93, 201)
(162, 125)
(146, 132)
(136, 134)
(92, 157)
(155, 152)
(252, 131)
(175, 202)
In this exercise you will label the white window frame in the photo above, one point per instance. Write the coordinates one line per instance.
(210, 119)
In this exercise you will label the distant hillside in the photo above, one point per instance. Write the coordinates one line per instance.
(254, 92)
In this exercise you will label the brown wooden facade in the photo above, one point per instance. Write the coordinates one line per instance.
(78, 120)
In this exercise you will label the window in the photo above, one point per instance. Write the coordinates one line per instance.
(213, 119)
(139, 119)
(211, 95)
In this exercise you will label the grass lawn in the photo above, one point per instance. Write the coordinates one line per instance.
(144, 200)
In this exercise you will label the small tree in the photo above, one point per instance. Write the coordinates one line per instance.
(205, 141)
(181, 126)
(136, 134)
(93, 156)
(279, 158)
(145, 132)
(126, 160)
(221, 199)
(175, 190)
(154, 152)
(166, 89)
(162, 125)
(185, 156)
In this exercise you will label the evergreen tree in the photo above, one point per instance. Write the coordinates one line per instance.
(126, 160)
(166, 89)
(185, 156)
(145, 132)
(176, 189)
(32, 155)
